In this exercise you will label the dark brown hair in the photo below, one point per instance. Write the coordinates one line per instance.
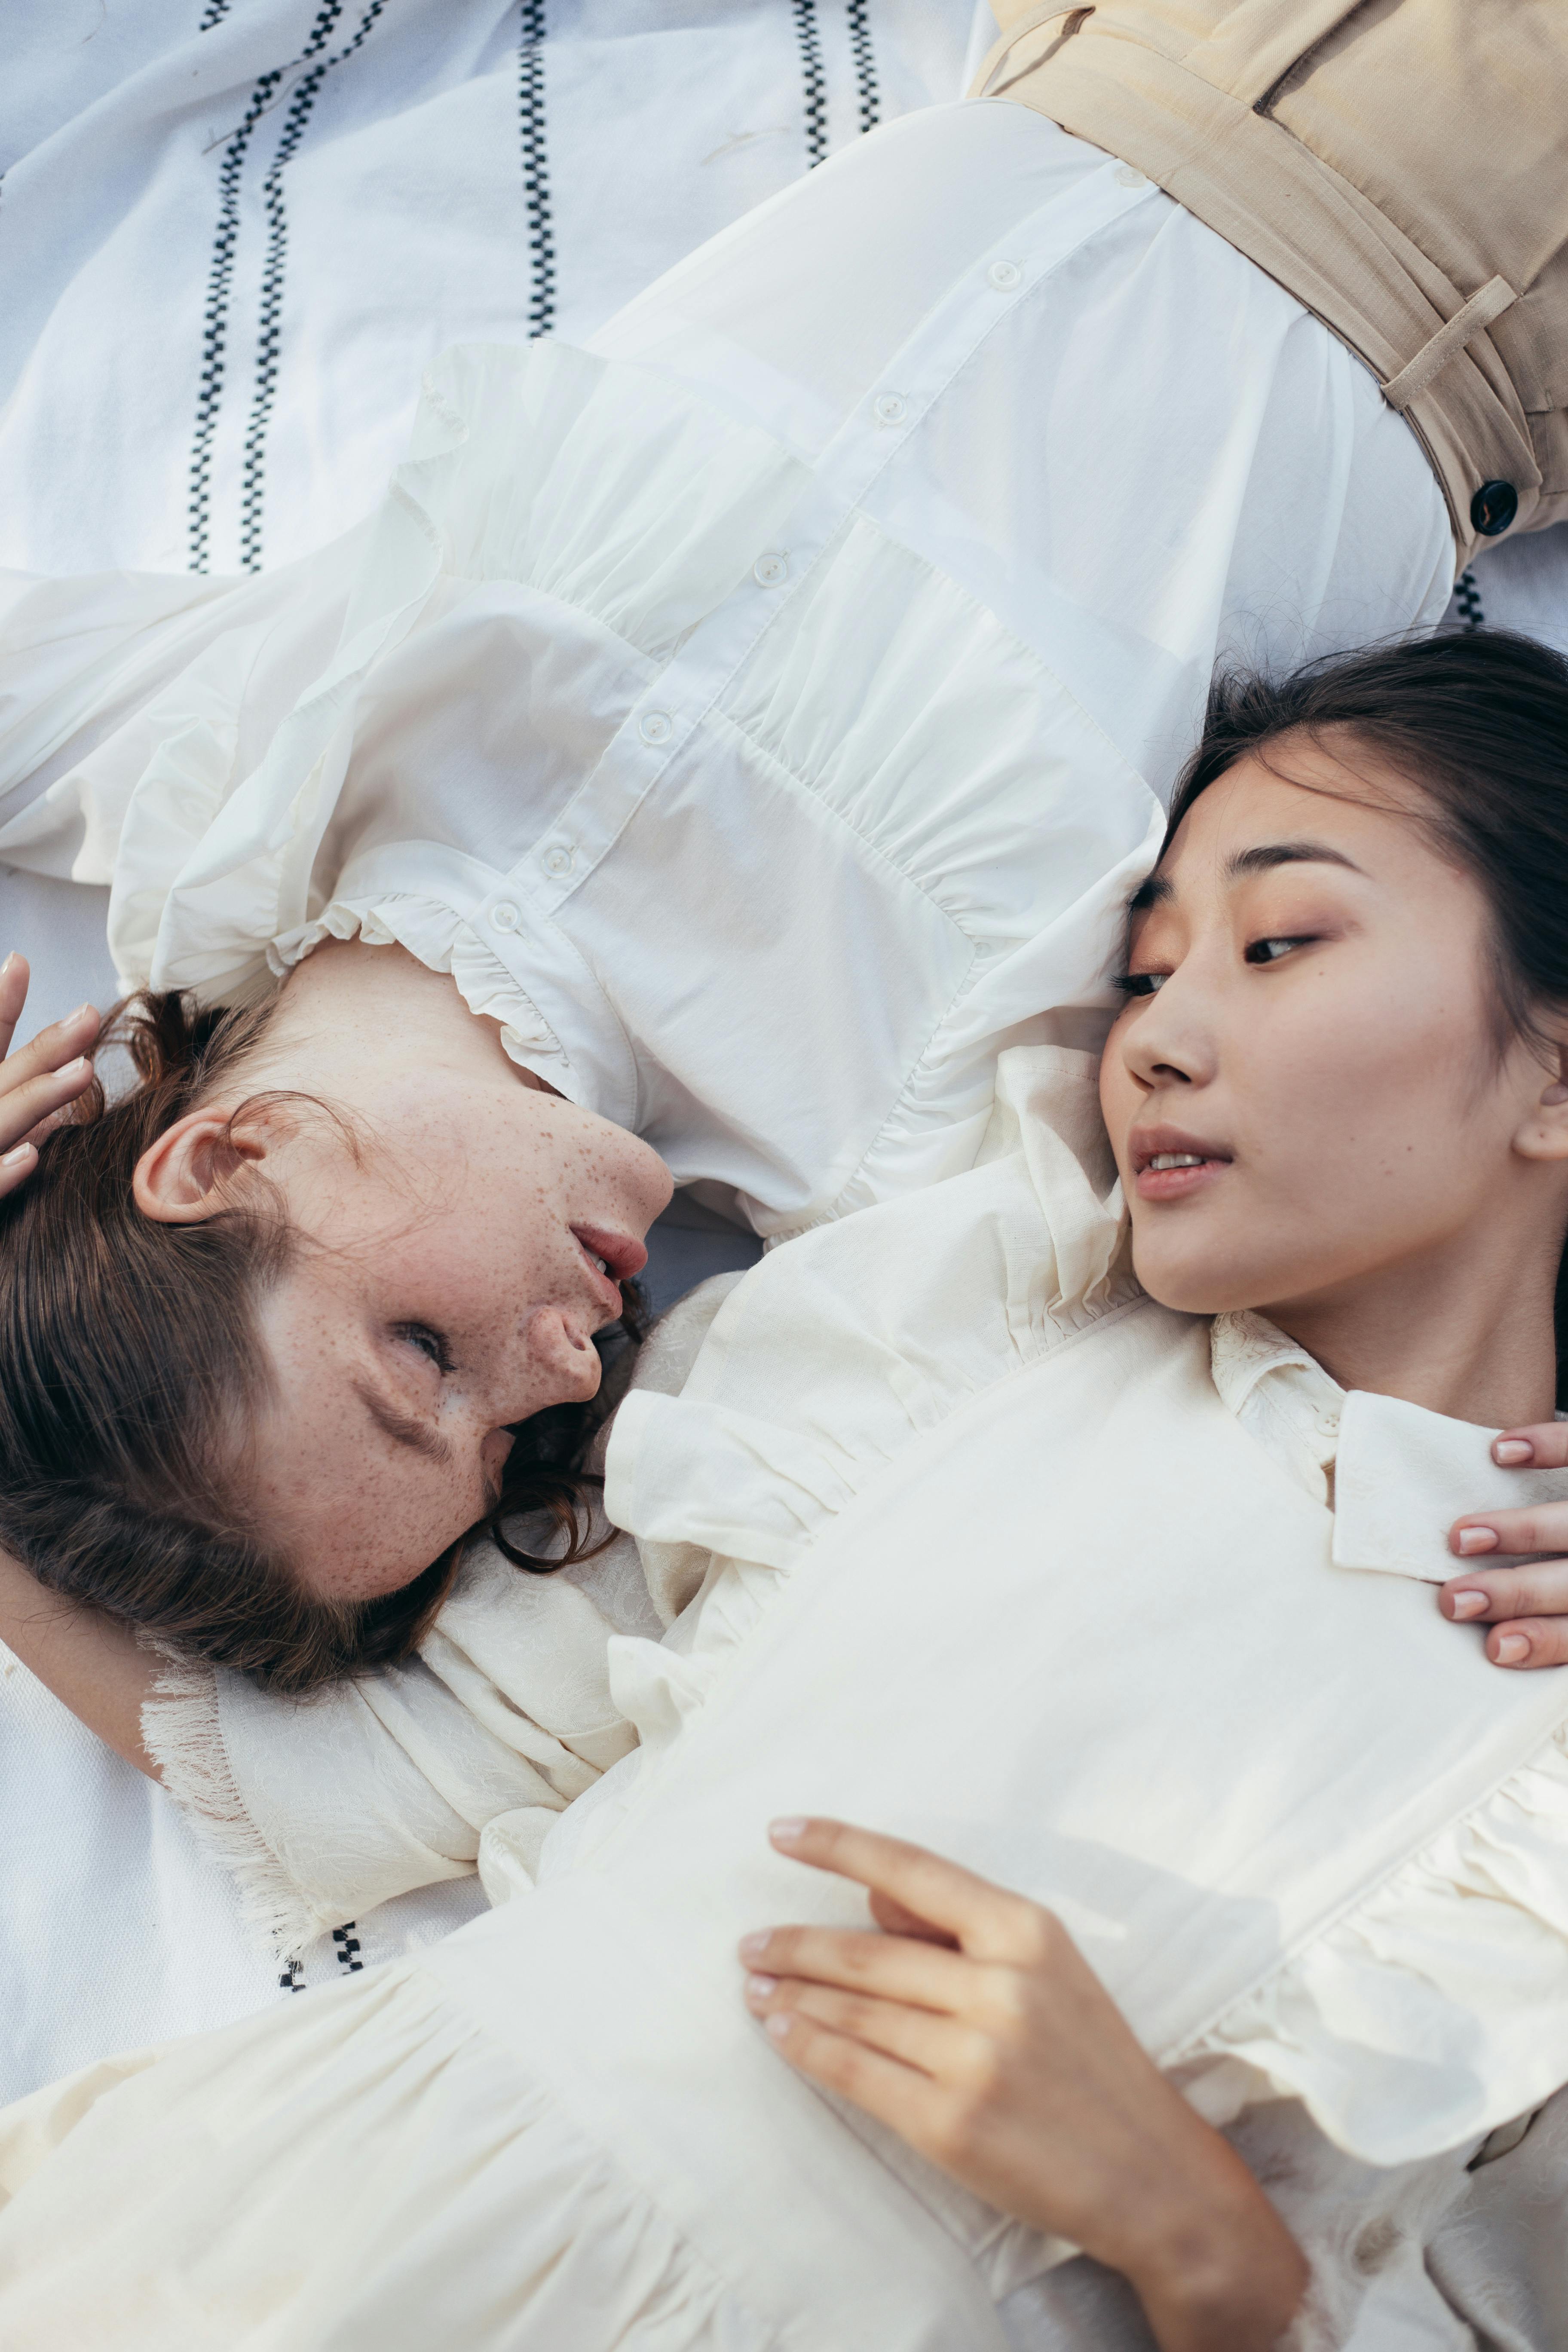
(131, 1370)
(1477, 724)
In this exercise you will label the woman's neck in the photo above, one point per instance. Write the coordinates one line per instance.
(347, 1007)
(1468, 1332)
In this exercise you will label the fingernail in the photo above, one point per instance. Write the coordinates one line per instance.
(778, 2024)
(788, 1832)
(74, 1069)
(1512, 1649)
(1509, 1450)
(5, 967)
(1470, 1604)
(1477, 1540)
(79, 1011)
(14, 1159)
(753, 1947)
(760, 1988)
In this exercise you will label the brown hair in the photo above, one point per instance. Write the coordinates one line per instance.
(130, 1368)
(1477, 723)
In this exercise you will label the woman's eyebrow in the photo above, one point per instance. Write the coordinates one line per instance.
(1267, 855)
(403, 1426)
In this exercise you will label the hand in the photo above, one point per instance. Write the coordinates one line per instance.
(975, 2029)
(1527, 1608)
(36, 1084)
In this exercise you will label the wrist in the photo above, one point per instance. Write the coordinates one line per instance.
(1221, 2271)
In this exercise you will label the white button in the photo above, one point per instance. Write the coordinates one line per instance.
(1129, 177)
(1005, 276)
(558, 860)
(769, 570)
(504, 916)
(656, 726)
(892, 409)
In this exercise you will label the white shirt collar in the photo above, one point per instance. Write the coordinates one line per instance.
(1395, 1475)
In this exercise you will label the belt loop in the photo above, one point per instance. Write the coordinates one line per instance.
(1450, 340)
(997, 56)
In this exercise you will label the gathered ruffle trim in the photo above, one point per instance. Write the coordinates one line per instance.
(1432, 2009)
(182, 1730)
(444, 942)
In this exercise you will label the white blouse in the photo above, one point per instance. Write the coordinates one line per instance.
(762, 713)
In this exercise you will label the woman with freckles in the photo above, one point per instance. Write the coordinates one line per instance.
(1062, 1535)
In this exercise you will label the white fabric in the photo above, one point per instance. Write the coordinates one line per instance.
(410, 223)
(1524, 584)
(901, 670)
(415, 174)
(958, 1434)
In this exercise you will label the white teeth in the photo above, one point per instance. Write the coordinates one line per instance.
(1177, 1160)
(599, 1263)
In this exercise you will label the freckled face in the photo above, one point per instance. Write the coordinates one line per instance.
(1303, 1087)
(448, 1285)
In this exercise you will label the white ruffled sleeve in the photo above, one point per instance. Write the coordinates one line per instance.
(1434, 2008)
(325, 1806)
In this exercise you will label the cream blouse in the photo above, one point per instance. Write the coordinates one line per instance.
(985, 1558)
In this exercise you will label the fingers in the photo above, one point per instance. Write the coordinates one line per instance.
(1527, 1609)
(1542, 1445)
(24, 1108)
(15, 977)
(897, 2094)
(893, 1967)
(982, 1918)
(918, 2038)
(1542, 1527)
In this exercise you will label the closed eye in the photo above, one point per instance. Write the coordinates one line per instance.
(1143, 983)
(429, 1342)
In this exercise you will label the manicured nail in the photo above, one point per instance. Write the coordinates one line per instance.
(1512, 1649)
(79, 1011)
(752, 1947)
(788, 1832)
(1511, 1449)
(760, 1988)
(1472, 1539)
(5, 967)
(1470, 1604)
(78, 1068)
(14, 1159)
(778, 2024)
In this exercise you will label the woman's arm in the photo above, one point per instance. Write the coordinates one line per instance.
(90, 1662)
(975, 2029)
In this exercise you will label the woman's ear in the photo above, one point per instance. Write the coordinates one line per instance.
(187, 1175)
(1544, 1132)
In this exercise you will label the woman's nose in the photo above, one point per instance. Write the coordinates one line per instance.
(1171, 1041)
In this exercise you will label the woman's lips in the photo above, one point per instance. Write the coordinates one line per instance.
(1176, 1183)
(1170, 1165)
(622, 1259)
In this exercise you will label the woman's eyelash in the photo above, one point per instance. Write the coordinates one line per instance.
(428, 1342)
(1271, 951)
(1141, 984)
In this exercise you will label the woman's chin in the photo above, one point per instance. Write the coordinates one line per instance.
(1194, 1283)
